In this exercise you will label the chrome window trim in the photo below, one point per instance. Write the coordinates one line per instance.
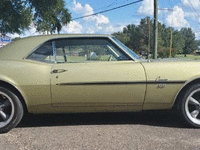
(107, 38)
(111, 38)
(32, 51)
(54, 51)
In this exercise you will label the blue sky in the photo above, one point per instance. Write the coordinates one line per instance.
(186, 13)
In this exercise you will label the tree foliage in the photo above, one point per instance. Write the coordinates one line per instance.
(198, 42)
(190, 43)
(14, 16)
(47, 15)
(140, 38)
(50, 15)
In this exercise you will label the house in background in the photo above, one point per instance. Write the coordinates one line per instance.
(4, 40)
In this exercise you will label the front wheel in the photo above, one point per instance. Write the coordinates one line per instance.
(11, 110)
(190, 106)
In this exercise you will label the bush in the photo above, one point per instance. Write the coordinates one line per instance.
(164, 52)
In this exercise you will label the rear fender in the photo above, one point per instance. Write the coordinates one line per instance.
(12, 83)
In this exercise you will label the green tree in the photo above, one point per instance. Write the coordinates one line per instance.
(50, 15)
(140, 38)
(47, 15)
(137, 37)
(189, 37)
(123, 37)
(198, 43)
(145, 32)
(14, 16)
(178, 42)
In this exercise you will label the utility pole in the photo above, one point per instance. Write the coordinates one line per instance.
(171, 33)
(148, 52)
(155, 29)
(170, 49)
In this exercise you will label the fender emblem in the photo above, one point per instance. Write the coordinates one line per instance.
(161, 82)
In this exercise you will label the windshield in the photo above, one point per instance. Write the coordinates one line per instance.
(129, 51)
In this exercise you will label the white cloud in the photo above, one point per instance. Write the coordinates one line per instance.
(72, 27)
(93, 24)
(82, 10)
(88, 10)
(194, 3)
(77, 6)
(101, 19)
(90, 31)
(31, 31)
(111, 29)
(197, 35)
(12, 36)
(99, 24)
(191, 14)
(177, 18)
(147, 7)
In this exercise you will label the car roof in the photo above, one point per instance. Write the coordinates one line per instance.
(17, 50)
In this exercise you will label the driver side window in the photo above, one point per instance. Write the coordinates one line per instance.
(86, 50)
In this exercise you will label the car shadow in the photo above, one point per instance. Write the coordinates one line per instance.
(151, 118)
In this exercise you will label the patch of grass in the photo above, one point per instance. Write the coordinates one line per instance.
(189, 56)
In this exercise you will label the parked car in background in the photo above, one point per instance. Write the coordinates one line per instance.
(91, 73)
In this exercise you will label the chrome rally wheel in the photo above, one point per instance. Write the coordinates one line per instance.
(11, 110)
(6, 109)
(190, 106)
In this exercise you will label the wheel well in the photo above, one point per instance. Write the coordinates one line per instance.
(184, 89)
(14, 90)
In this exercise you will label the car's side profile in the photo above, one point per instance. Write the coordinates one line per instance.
(91, 73)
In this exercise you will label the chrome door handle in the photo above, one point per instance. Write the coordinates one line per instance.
(58, 71)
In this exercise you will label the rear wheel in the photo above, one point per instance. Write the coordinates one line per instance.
(190, 106)
(11, 110)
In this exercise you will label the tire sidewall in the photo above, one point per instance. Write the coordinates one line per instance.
(182, 106)
(18, 111)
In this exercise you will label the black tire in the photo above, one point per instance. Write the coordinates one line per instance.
(189, 106)
(11, 110)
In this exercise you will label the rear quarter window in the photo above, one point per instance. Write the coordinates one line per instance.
(44, 53)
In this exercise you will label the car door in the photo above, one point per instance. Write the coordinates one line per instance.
(95, 73)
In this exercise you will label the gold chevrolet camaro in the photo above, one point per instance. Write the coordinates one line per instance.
(91, 73)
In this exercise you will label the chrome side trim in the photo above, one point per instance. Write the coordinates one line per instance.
(119, 83)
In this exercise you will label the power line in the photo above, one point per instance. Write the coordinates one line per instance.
(165, 9)
(194, 9)
(107, 10)
(105, 7)
(181, 6)
(70, 2)
(195, 14)
(112, 3)
(100, 8)
(170, 3)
